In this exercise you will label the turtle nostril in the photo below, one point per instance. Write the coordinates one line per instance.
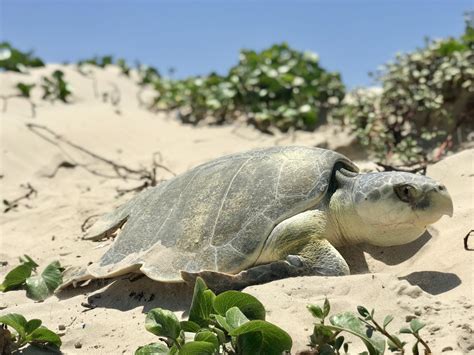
(441, 188)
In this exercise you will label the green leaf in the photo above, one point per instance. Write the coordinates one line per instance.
(326, 308)
(274, 340)
(405, 331)
(52, 275)
(393, 346)
(322, 334)
(222, 322)
(17, 322)
(221, 335)
(416, 325)
(387, 321)
(198, 348)
(42, 286)
(25, 259)
(207, 335)
(316, 311)
(201, 305)
(363, 311)
(16, 277)
(43, 335)
(414, 349)
(162, 322)
(235, 318)
(339, 341)
(326, 349)
(153, 349)
(36, 288)
(248, 304)
(25, 89)
(249, 343)
(31, 325)
(350, 323)
(188, 326)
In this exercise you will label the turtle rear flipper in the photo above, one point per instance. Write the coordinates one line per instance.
(73, 275)
(109, 223)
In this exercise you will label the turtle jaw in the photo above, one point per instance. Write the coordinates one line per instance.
(436, 203)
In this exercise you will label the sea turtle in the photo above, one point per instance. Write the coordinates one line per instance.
(261, 215)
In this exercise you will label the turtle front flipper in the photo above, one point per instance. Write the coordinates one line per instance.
(219, 281)
(296, 247)
(318, 258)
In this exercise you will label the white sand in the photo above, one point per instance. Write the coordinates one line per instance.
(431, 277)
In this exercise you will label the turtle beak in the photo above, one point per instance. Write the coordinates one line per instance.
(441, 201)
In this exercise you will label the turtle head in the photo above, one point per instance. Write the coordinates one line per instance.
(389, 208)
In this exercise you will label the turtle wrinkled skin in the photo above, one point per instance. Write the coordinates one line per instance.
(261, 215)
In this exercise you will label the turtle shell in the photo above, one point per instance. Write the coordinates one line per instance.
(216, 216)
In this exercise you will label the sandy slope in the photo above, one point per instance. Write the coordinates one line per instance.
(430, 278)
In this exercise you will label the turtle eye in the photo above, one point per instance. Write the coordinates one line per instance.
(406, 193)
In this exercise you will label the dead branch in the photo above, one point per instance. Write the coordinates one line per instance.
(10, 205)
(147, 175)
(89, 75)
(85, 225)
(5, 99)
(64, 164)
(414, 169)
(115, 95)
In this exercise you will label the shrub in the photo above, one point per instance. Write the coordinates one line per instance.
(55, 87)
(15, 60)
(427, 101)
(277, 87)
(231, 323)
(38, 286)
(26, 332)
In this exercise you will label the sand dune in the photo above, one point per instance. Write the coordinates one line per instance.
(431, 278)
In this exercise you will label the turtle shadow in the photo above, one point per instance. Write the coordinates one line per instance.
(354, 255)
(433, 282)
(132, 291)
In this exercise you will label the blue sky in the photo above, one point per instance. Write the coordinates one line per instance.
(197, 37)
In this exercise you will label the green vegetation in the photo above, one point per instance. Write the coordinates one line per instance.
(424, 108)
(100, 62)
(327, 338)
(55, 87)
(13, 59)
(27, 332)
(38, 286)
(278, 87)
(231, 323)
(427, 101)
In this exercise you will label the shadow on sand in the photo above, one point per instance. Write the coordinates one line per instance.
(354, 255)
(128, 292)
(433, 282)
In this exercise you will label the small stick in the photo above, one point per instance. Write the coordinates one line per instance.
(422, 168)
(84, 227)
(14, 203)
(466, 238)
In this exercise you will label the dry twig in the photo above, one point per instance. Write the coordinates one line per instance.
(414, 169)
(10, 205)
(148, 176)
(466, 239)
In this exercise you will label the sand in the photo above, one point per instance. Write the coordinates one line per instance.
(431, 278)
